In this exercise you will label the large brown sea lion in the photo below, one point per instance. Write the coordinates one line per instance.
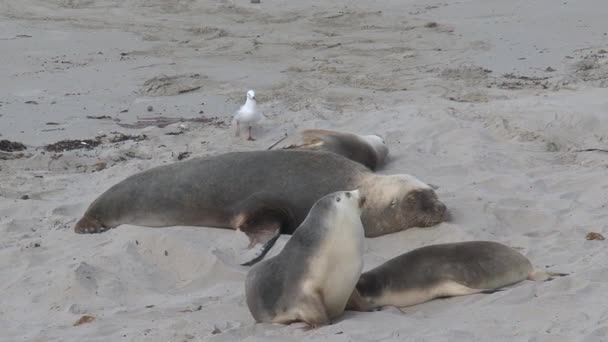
(262, 193)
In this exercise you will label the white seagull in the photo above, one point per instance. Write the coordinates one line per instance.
(247, 115)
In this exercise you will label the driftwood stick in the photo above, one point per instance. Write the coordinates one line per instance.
(591, 150)
(276, 143)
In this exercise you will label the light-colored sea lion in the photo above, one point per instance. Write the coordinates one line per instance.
(311, 279)
(369, 150)
(443, 270)
(261, 193)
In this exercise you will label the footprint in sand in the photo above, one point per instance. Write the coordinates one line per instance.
(85, 276)
(71, 210)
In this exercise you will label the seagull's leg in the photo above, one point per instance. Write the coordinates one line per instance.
(238, 129)
(250, 137)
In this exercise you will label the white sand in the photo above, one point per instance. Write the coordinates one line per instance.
(502, 151)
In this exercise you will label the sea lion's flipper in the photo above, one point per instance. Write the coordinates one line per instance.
(313, 311)
(357, 303)
(310, 139)
(315, 136)
(263, 217)
(90, 225)
(452, 288)
(305, 146)
(492, 291)
(264, 249)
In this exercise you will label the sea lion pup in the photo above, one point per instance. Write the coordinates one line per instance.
(443, 270)
(261, 193)
(311, 279)
(369, 150)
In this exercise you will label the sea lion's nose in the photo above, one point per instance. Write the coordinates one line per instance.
(361, 201)
(447, 216)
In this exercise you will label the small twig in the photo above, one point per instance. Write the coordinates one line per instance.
(17, 36)
(335, 16)
(198, 308)
(151, 65)
(276, 143)
(333, 45)
(591, 150)
(183, 91)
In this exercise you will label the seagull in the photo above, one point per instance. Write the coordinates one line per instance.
(247, 114)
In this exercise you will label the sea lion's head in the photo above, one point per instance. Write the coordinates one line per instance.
(398, 202)
(340, 204)
(378, 143)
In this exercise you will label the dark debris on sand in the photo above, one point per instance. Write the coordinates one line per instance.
(513, 82)
(11, 146)
(183, 155)
(83, 320)
(595, 236)
(119, 137)
(99, 117)
(68, 145)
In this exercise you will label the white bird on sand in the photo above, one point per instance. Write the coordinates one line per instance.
(247, 115)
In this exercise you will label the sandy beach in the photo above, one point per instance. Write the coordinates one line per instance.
(501, 105)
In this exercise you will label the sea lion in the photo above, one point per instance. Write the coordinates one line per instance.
(369, 150)
(261, 193)
(311, 279)
(443, 270)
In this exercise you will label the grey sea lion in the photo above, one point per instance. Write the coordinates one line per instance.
(312, 277)
(443, 270)
(261, 193)
(369, 150)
